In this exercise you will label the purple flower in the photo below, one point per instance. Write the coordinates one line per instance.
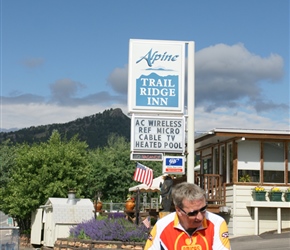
(115, 227)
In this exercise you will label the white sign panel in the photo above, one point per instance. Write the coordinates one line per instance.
(173, 165)
(163, 134)
(156, 76)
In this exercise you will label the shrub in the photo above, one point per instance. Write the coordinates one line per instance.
(114, 228)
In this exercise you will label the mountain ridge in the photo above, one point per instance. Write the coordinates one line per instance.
(94, 129)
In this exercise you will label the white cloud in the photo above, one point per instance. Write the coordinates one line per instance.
(118, 80)
(227, 75)
(27, 115)
(20, 116)
(231, 118)
(64, 89)
(228, 92)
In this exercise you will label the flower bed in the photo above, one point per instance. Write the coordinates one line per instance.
(275, 194)
(105, 232)
(77, 244)
(287, 194)
(259, 196)
(259, 193)
(114, 228)
(258, 189)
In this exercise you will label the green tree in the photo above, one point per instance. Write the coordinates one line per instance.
(41, 171)
(7, 156)
(112, 170)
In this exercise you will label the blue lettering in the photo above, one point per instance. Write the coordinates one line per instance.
(151, 58)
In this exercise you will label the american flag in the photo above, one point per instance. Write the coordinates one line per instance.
(143, 174)
(147, 222)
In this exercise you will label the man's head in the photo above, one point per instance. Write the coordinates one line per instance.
(190, 204)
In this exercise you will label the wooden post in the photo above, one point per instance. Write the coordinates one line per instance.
(137, 207)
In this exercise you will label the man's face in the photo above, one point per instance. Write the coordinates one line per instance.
(192, 213)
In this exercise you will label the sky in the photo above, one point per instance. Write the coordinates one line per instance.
(64, 60)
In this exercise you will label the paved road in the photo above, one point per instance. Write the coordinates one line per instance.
(266, 241)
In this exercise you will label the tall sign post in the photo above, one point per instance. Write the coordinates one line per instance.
(156, 80)
(190, 112)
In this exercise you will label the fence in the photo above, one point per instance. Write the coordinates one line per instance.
(113, 207)
(120, 207)
(9, 238)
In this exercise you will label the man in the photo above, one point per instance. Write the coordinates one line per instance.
(190, 226)
(165, 192)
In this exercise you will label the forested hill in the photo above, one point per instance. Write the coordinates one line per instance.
(94, 129)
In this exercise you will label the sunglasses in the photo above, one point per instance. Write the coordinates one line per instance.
(195, 212)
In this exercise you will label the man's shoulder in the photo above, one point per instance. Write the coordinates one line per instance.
(169, 216)
(167, 219)
(214, 217)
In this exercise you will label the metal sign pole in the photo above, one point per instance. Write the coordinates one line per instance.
(190, 108)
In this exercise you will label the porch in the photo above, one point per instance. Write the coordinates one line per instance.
(215, 191)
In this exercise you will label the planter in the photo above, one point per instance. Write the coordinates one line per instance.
(259, 196)
(130, 205)
(287, 196)
(98, 206)
(275, 196)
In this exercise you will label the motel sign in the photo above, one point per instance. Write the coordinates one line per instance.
(156, 76)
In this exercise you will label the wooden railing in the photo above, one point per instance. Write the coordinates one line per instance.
(214, 188)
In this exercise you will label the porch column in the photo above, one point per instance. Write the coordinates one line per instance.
(279, 220)
(256, 216)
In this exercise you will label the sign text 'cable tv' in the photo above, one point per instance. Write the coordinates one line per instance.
(163, 134)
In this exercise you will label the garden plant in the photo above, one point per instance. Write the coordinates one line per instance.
(114, 227)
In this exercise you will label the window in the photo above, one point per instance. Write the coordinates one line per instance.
(249, 161)
(230, 162)
(206, 165)
(274, 165)
(222, 165)
(288, 162)
(216, 161)
(249, 176)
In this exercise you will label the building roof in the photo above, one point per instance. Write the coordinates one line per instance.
(64, 211)
(65, 201)
(217, 135)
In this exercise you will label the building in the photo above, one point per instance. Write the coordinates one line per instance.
(232, 163)
(54, 219)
